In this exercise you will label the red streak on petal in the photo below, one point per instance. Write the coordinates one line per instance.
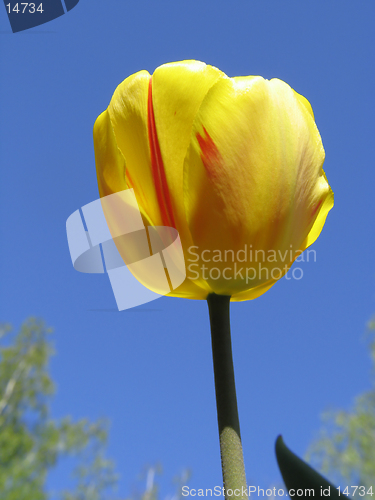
(210, 155)
(157, 166)
(316, 208)
(128, 179)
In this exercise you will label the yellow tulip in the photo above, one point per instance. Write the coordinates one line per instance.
(234, 164)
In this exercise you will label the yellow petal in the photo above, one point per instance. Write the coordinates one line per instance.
(177, 93)
(253, 173)
(110, 164)
(325, 207)
(305, 103)
(128, 112)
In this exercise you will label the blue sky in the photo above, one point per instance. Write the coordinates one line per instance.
(299, 348)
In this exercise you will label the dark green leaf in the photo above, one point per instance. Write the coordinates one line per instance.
(301, 480)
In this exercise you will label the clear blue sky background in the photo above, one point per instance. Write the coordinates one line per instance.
(298, 348)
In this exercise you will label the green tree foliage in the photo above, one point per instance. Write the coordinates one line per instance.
(345, 449)
(31, 442)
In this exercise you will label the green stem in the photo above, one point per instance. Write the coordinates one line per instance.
(226, 401)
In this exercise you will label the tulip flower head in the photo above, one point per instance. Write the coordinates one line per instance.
(233, 164)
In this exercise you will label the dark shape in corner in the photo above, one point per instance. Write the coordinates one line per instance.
(298, 475)
(70, 4)
(23, 16)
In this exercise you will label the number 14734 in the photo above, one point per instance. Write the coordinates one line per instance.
(24, 8)
(352, 490)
